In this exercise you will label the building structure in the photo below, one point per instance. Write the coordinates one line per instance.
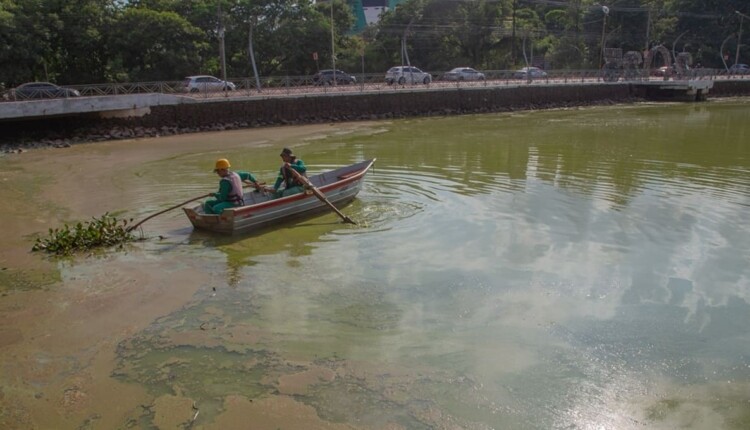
(367, 12)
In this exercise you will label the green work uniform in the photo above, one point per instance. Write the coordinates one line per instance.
(222, 198)
(292, 186)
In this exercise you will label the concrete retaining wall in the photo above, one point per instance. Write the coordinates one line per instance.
(730, 88)
(323, 108)
(231, 114)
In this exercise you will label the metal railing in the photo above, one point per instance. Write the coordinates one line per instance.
(275, 86)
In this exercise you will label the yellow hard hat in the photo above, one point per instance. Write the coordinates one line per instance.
(221, 163)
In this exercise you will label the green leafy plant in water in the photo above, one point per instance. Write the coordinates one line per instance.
(99, 232)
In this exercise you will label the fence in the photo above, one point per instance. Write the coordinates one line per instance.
(303, 85)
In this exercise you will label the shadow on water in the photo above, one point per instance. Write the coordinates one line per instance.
(290, 239)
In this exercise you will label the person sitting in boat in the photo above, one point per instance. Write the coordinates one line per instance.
(286, 178)
(230, 188)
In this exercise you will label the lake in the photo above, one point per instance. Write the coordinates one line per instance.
(567, 269)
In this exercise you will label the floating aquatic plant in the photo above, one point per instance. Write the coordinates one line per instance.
(99, 232)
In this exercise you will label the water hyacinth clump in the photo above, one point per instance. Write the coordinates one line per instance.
(99, 232)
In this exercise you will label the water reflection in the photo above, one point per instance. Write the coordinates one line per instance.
(292, 239)
(568, 269)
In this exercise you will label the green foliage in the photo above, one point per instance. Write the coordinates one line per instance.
(99, 232)
(158, 45)
(92, 41)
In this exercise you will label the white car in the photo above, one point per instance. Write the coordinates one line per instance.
(205, 83)
(407, 74)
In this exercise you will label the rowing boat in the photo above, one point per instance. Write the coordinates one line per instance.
(340, 186)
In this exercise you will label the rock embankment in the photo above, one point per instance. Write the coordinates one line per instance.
(251, 113)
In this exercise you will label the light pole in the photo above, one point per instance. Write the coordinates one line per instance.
(222, 53)
(605, 9)
(223, 56)
(513, 36)
(739, 37)
(674, 54)
(721, 52)
(333, 47)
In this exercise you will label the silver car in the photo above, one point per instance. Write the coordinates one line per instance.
(463, 74)
(529, 73)
(205, 83)
(407, 74)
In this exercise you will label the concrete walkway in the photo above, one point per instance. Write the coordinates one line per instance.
(127, 105)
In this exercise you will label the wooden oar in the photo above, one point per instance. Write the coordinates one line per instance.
(134, 226)
(319, 194)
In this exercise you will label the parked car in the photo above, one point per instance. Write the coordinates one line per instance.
(463, 74)
(407, 74)
(41, 90)
(325, 77)
(205, 83)
(662, 71)
(529, 73)
(739, 69)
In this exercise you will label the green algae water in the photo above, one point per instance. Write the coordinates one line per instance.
(566, 269)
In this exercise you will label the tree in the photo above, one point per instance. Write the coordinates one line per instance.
(81, 51)
(27, 30)
(157, 45)
(709, 22)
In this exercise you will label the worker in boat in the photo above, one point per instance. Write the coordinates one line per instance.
(230, 188)
(290, 184)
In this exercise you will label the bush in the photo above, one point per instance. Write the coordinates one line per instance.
(99, 232)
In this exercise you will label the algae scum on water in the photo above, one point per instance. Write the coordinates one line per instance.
(105, 231)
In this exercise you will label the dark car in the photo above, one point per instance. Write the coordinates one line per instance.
(41, 90)
(325, 77)
(739, 69)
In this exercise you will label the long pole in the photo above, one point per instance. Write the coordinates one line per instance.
(136, 225)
